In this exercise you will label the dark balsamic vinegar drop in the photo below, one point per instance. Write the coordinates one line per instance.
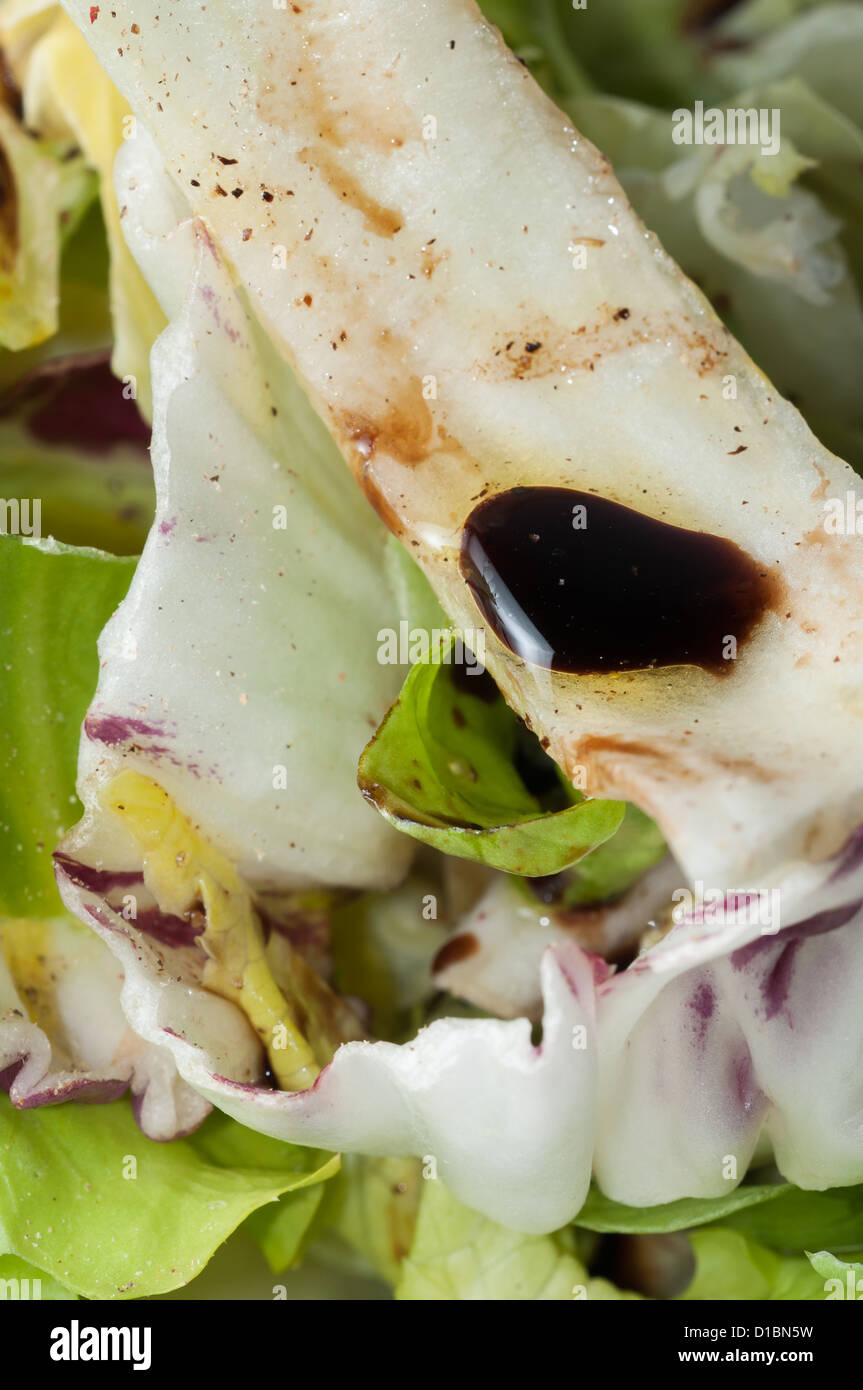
(575, 582)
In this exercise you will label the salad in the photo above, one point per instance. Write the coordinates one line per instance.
(431, 822)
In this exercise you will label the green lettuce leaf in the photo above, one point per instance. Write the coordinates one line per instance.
(459, 1255)
(21, 1280)
(842, 1278)
(441, 768)
(731, 1267)
(610, 869)
(279, 1228)
(810, 1220)
(90, 1202)
(54, 602)
(665, 52)
(600, 1213)
(238, 1272)
(750, 1243)
(369, 1213)
(613, 868)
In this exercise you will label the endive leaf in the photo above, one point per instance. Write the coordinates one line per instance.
(67, 95)
(501, 334)
(63, 1036)
(41, 197)
(241, 674)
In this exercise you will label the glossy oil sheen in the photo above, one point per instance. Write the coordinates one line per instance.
(607, 588)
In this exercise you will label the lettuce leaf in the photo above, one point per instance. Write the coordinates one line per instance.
(609, 870)
(441, 768)
(843, 1278)
(729, 1266)
(808, 1220)
(55, 600)
(279, 1228)
(612, 868)
(758, 1033)
(415, 598)
(18, 1279)
(494, 957)
(371, 1209)
(458, 1255)
(91, 1203)
(600, 1213)
(63, 1035)
(795, 55)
